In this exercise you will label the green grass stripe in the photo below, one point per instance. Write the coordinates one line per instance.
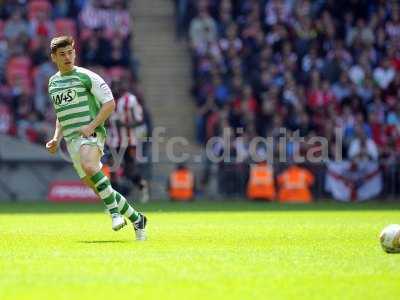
(125, 208)
(205, 249)
(80, 104)
(73, 116)
(75, 125)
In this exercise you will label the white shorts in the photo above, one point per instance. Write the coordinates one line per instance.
(74, 146)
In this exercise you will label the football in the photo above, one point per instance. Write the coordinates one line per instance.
(390, 238)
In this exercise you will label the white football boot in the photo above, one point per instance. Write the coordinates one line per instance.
(140, 226)
(118, 221)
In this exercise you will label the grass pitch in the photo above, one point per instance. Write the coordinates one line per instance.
(203, 250)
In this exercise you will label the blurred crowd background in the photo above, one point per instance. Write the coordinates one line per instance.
(313, 68)
(102, 30)
(302, 65)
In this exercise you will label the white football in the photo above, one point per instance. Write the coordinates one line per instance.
(390, 238)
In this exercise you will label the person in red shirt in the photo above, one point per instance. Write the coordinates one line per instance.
(320, 95)
(246, 102)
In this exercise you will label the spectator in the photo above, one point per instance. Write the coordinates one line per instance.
(222, 93)
(60, 9)
(116, 53)
(384, 74)
(4, 55)
(15, 27)
(6, 119)
(39, 54)
(203, 30)
(310, 62)
(361, 32)
(341, 89)
(41, 26)
(277, 12)
(41, 99)
(362, 147)
(23, 87)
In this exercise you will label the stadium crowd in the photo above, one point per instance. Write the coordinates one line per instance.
(102, 30)
(305, 66)
(301, 65)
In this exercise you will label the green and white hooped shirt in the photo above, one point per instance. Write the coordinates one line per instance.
(77, 97)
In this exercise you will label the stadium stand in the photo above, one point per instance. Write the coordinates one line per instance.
(319, 69)
(298, 65)
(102, 30)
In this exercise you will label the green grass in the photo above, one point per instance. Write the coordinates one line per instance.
(203, 250)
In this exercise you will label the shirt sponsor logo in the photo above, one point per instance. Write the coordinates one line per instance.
(64, 97)
(67, 84)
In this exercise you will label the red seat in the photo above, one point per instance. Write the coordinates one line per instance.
(65, 27)
(37, 6)
(18, 68)
(19, 62)
(14, 75)
(117, 72)
(24, 80)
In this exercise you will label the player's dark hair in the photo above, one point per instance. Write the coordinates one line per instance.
(60, 42)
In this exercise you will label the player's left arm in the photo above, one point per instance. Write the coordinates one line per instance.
(103, 94)
(104, 113)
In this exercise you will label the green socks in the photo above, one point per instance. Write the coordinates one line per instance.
(104, 189)
(125, 209)
(113, 200)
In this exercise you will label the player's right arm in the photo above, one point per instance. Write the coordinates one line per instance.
(52, 145)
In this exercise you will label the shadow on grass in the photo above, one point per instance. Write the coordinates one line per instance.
(102, 242)
(196, 206)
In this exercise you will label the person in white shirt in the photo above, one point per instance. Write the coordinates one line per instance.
(384, 74)
(362, 147)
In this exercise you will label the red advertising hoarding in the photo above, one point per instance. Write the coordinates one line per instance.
(70, 191)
